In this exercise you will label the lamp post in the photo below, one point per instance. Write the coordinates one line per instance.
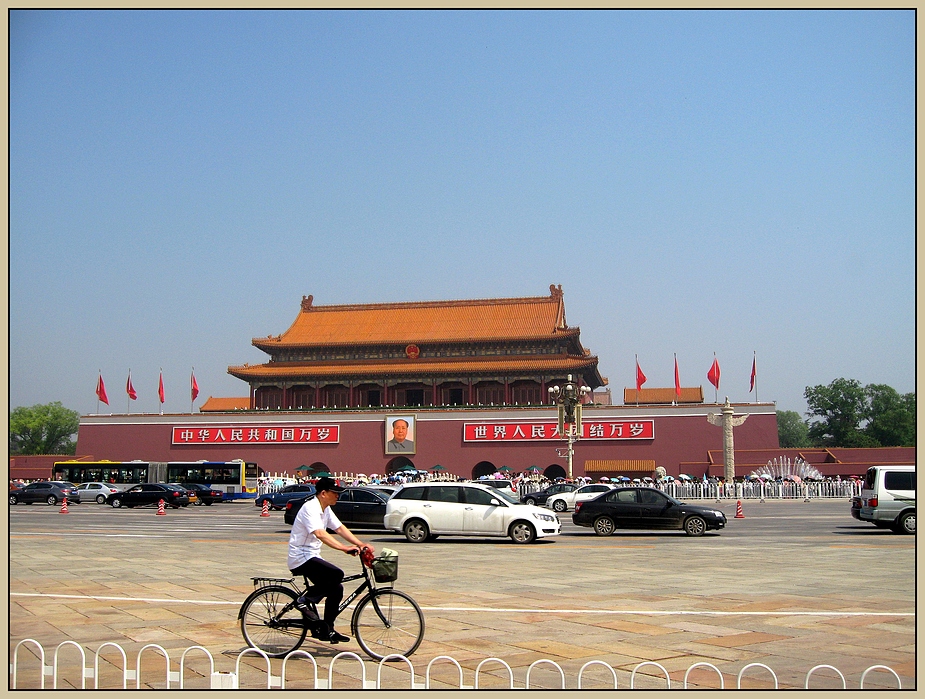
(568, 398)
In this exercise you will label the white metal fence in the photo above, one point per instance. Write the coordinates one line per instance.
(162, 677)
(771, 490)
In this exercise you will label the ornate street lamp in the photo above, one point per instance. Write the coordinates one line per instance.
(568, 398)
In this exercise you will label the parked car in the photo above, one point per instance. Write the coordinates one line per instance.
(191, 494)
(51, 492)
(539, 497)
(149, 494)
(563, 502)
(357, 507)
(888, 498)
(96, 491)
(424, 511)
(204, 494)
(278, 500)
(645, 508)
(500, 483)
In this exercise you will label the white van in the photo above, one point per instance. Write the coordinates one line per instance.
(888, 498)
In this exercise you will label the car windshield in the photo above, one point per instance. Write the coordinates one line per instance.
(507, 497)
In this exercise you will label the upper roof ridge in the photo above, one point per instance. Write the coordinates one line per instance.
(555, 295)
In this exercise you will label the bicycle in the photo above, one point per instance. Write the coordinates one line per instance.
(384, 622)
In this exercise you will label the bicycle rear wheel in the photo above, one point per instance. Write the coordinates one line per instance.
(388, 622)
(266, 624)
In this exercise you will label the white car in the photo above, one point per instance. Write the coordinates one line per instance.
(423, 511)
(96, 491)
(563, 502)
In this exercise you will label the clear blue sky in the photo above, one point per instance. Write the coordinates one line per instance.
(698, 182)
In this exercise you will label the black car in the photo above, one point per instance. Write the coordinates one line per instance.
(51, 492)
(360, 508)
(149, 494)
(645, 508)
(541, 496)
(205, 495)
(278, 500)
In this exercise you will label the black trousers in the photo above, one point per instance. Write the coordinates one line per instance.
(327, 581)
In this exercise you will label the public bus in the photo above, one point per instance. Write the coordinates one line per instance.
(238, 478)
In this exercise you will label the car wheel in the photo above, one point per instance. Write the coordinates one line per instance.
(559, 506)
(695, 526)
(101, 499)
(416, 531)
(530, 501)
(905, 524)
(604, 526)
(523, 533)
(13, 500)
(116, 502)
(51, 500)
(199, 502)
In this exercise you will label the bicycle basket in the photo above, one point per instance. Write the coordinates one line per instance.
(385, 568)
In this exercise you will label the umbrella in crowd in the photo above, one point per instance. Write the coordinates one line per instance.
(684, 477)
(438, 467)
(505, 469)
(303, 467)
(406, 467)
(605, 479)
(322, 474)
(534, 469)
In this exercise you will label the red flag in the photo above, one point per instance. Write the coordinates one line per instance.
(713, 374)
(677, 379)
(640, 377)
(194, 387)
(129, 388)
(101, 390)
(160, 387)
(751, 385)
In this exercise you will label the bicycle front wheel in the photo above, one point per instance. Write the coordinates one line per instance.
(268, 625)
(388, 622)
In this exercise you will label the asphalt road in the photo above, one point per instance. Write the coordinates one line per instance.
(792, 585)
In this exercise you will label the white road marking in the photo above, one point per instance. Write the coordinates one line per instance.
(496, 610)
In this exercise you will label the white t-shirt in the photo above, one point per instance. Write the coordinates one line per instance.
(303, 544)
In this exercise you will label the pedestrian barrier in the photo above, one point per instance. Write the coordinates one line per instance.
(232, 680)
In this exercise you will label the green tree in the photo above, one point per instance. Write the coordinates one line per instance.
(43, 429)
(891, 418)
(792, 431)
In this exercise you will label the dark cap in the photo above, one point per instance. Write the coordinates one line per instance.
(325, 483)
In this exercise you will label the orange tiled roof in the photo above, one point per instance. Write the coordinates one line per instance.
(662, 395)
(427, 321)
(220, 405)
(416, 367)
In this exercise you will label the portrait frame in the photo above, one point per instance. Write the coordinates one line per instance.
(410, 441)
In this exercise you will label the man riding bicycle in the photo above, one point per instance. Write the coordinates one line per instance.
(309, 531)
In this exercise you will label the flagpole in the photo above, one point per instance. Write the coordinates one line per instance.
(755, 364)
(192, 374)
(128, 398)
(636, 356)
(715, 388)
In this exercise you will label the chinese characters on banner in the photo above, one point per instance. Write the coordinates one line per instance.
(276, 434)
(527, 431)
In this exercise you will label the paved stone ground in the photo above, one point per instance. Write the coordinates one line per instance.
(793, 585)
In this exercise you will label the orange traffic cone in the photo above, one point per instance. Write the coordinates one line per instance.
(739, 514)
(160, 507)
(265, 512)
(63, 509)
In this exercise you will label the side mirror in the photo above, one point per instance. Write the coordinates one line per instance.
(495, 502)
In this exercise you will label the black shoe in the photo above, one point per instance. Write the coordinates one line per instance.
(335, 637)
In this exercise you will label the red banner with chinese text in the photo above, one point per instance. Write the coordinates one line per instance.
(529, 431)
(255, 434)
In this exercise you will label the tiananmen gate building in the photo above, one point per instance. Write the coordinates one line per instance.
(468, 381)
